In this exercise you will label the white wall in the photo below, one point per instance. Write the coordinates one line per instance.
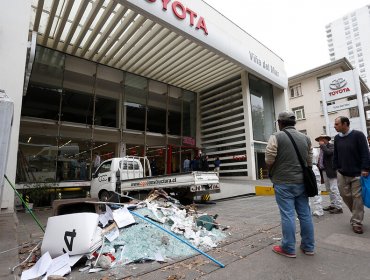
(14, 22)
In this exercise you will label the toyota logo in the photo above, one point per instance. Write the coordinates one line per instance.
(338, 84)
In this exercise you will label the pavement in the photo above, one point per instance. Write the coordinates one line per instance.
(8, 243)
(246, 253)
(233, 187)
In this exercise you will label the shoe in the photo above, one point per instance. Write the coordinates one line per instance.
(308, 253)
(357, 229)
(328, 208)
(336, 211)
(280, 251)
(317, 213)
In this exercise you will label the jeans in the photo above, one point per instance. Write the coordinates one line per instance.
(291, 199)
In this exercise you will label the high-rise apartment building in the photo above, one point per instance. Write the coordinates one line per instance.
(349, 37)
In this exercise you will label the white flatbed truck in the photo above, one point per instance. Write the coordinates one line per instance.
(132, 175)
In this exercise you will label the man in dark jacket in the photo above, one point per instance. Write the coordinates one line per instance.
(325, 164)
(351, 160)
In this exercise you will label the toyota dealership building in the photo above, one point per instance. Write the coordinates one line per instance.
(164, 79)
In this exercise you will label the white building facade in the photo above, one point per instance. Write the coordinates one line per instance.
(349, 37)
(162, 79)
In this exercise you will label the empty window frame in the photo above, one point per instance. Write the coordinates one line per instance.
(295, 91)
(320, 78)
(299, 113)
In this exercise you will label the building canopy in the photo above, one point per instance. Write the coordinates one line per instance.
(130, 36)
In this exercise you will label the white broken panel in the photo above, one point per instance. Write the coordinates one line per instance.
(73, 234)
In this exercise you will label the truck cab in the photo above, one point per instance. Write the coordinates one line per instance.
(108, 175)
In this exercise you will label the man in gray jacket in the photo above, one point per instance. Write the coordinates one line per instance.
(325, 164)
(287, 176)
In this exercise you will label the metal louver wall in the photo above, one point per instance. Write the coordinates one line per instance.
(223, 126)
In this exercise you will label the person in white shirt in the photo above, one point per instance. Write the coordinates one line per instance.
(186, 165)
(96, 161)
(316, 201)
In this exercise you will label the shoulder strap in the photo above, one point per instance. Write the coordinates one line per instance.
(295, 148)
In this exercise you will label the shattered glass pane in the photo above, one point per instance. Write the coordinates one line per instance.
(143, 241)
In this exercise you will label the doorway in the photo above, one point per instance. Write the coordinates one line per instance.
(176, 156)
(261, 168)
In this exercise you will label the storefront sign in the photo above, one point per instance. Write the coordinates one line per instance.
(342, 106)
(188, 141)
(182, 13)
(264, 64)
(339, 86)
(342, 86)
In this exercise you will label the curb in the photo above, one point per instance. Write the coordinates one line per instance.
(264, 190)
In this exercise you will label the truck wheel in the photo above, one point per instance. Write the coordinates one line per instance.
(186, 200)
(107, 196)
(185, 197)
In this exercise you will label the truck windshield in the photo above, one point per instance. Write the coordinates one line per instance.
(105, 167)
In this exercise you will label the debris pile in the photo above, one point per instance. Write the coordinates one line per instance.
(156, 229)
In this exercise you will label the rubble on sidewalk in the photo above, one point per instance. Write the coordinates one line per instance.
(116, 237)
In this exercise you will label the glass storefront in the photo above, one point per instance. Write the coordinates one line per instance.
(36, 158)
(263, 112)
(157, 107)
(263, 116)
(75, 108)
(135, 95)
(189, 114)
(174, 111)
(157, 159)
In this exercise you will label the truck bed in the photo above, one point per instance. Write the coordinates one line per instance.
(197, 181)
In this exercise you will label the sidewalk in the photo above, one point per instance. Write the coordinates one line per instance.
(254, 227)
(232, 187)
(340, 253)
(8, 240)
